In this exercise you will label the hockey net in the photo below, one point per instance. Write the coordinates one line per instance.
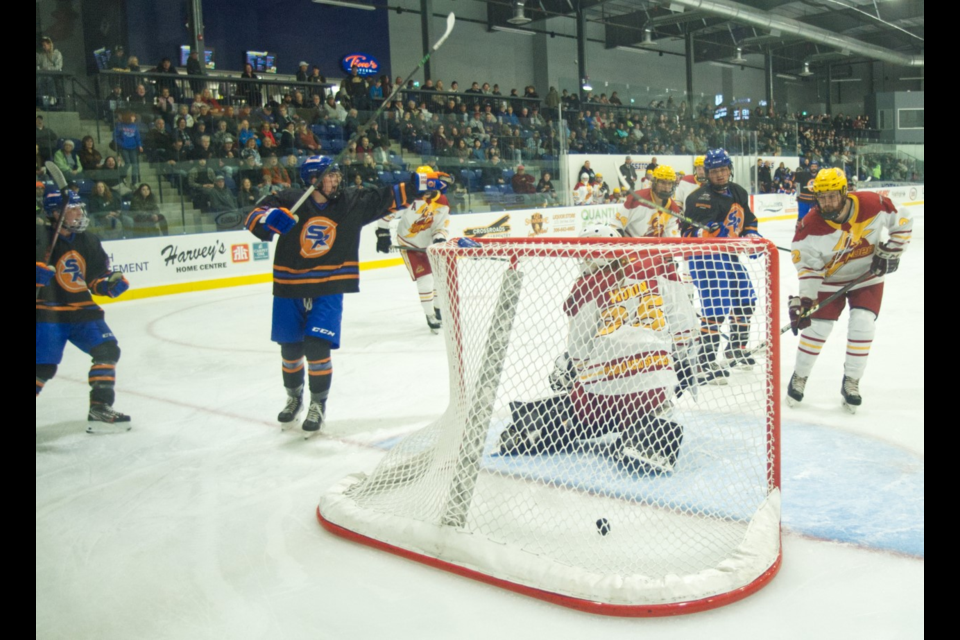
(612, 439)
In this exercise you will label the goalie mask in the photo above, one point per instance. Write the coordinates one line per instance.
(76, 219)
(664, 182)
(589, 265)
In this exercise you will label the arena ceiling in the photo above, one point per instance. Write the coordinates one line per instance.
(815, 32)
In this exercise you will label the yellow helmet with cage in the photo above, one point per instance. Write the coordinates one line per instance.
(664, 181)
(830, 180)
(698, 161)
(663, 172)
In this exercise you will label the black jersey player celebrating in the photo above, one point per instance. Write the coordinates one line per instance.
(66, 312)
(316, 262)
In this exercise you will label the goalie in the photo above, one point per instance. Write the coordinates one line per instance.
(620, 369)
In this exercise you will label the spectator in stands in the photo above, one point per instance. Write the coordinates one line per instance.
(267, 187)
(586, 169)
(49, 59)
(250, 151)
(46, 140)
(367, 172)
(229, 158)
(247, 196)
(194, 68)
(182, 133)
(492, 174)
(158, 141)
(266, 133)
(139, 102)
(166, 68)
(220, 199)
(177, 164)
(200, 181)
(307, 141)
(220, 134)
(628, 172)
(783, 173)
(118, 58)
(90, 158)
(126, 138)
(105, 213)
(546, 189)
(111, 174)
(147, 219)
(41, 168)
(166, 106)
(279, 176)
(130, 83)
(287, 143)
(319, 80)
(67, 160)
(522, 182)
(183, 111)
(247, 89)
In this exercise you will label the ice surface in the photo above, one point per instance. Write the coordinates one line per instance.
(200, 523)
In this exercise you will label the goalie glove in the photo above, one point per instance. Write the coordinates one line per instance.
(885, 260)
(45, 274)
(799, 309)
(383, 240)
(279, 220)
(563, 374)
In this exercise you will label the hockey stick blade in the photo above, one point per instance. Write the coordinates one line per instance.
(451, 19)
(681, 218)
(56, 174)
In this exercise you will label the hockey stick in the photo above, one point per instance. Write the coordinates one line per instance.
(451, 19)
(61, 183)
(681, 218)
(822, 303)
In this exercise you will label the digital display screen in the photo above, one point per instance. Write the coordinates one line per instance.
(208, 57)
(262, 61)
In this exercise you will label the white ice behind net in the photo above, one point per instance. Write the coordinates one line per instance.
(697, 519)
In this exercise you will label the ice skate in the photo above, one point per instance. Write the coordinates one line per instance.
(314, 420)
(714, 373)
(293, 408)
(434, 323)
(104, 419)
(795, 390)
(850, 390)
(740, 359)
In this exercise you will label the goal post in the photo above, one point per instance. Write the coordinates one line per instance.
(612, 438)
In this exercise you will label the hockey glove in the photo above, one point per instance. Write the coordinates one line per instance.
(885, 260)
(279, 221)
(383, 240)
(711, 227)
(45, 274)
(112, 286)
(799, 308)
(467, 243)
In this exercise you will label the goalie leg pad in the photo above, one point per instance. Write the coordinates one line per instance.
(540, 426)
(651, 446)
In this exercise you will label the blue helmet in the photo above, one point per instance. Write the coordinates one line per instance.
(814, 163)
(53, 203)
(717, 158)
(314, 167)
(427, 179)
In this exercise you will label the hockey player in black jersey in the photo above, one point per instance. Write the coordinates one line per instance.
(316, 262)
(66, 312)
(722, 210)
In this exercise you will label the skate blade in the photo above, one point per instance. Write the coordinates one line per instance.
(310, 435)
(850, 408)
(435, 332)
(719, 381)
(792, 402)
(108, 428)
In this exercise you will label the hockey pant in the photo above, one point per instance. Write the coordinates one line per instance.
(418, 266)
(102, 376)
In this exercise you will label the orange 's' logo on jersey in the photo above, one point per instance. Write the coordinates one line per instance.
(71, 272)
(317, 237)
(735, 221)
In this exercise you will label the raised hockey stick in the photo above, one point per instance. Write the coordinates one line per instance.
(61, 183)
(451, 19)
(681, 218)
(822, 303)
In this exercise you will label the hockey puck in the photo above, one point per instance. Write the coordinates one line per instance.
(603, 526)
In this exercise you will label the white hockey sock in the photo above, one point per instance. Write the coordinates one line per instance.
(860, 333)
(811, 343)
(427, 294)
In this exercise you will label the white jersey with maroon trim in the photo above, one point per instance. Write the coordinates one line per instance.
(686, 186)
(422, 222)
(829, 255)
(637, 219)
(621, 338)
(582, 194)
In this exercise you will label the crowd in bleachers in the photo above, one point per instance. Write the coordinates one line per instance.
(222, 145)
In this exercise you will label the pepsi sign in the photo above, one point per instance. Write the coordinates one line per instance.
(366, 65)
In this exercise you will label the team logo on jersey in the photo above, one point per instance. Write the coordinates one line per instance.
(734, 221)
(71, 272)
(421, 224)
(795, 256)
(902, 222)
(317, 237)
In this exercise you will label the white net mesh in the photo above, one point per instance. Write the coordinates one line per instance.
(611, 432)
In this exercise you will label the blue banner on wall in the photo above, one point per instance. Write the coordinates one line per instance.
(366, 65)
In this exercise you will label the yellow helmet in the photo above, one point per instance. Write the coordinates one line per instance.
(663, 172)
(830, 180)
(599, 175)
(698, 161)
